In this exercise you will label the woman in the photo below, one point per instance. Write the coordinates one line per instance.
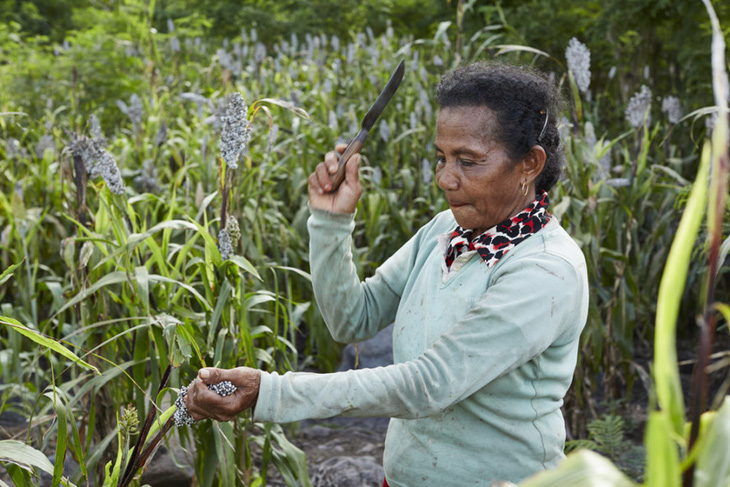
(488, 299)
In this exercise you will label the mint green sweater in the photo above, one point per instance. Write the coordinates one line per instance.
(483, 356)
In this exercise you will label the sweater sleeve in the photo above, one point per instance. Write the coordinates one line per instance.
(532, 303)
(353, 310)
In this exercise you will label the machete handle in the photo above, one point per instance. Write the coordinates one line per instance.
(354, 147)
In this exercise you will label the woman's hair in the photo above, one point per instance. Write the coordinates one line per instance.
(521, 98)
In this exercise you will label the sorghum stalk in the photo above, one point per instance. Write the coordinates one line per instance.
(226, 177)
(80, 180)
(720, 169)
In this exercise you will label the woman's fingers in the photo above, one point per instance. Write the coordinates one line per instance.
(321, 193)
(352, 173)
(323, 176)
(203, 403)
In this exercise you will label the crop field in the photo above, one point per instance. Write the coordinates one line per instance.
(135, 248)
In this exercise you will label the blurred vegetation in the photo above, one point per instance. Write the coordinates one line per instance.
(136, 281)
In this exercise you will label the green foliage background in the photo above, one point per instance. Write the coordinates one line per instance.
(142, 283)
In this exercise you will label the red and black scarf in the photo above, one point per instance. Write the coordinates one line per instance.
(493, 244)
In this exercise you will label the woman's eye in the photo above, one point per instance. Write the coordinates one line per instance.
(440, 160)
(466, 163)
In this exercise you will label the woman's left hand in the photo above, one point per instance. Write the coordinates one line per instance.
(203, 403)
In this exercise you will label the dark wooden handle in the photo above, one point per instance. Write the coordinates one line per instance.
(354, 147)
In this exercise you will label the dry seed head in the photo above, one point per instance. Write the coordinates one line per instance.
(236, 133)
(233, 229)
(426, 171)
(161, 136)
(135, 111)
(147, 181)
(639, 104)
(671, 106)
(110, 172)
(224, 244)
(95, 127)
(87, 150)
(579, 63)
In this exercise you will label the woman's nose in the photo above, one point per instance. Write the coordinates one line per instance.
(446, 178)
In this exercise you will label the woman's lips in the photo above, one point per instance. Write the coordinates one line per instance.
(456, 204)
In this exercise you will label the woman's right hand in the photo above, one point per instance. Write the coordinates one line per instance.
(203, 403)
(345, 199)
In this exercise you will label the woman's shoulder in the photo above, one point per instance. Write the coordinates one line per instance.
(551, 250)
(558, 242)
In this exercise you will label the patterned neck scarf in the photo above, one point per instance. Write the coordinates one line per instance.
(498, 240)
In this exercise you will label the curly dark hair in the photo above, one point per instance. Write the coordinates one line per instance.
(520, 97)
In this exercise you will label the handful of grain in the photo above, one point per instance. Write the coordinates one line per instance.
(182, 416)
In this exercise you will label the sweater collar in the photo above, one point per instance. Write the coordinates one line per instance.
(494, 243)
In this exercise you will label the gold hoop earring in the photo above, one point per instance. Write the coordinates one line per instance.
(524, 188)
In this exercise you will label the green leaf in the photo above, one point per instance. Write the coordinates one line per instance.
(662, 452)
(203, 301)
(294, 458)
(8, 273)
(582, 468)
(305, 275)
(441, 30)
(725, 310)
(143, 286)
(224, 440)
(284, 104)
(713, 462)
(505, 48)
(671, 288)
(61, 437)
(136, 238)
(111, 278)
(46, 342)
(244, 264)
(224, 294)
(25, 456)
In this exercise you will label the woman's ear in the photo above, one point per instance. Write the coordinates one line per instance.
(534, 162)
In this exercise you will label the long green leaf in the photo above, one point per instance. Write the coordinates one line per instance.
(287, 105)
(25, 456)
(666, 375)
(713, 463)
(244, 264)
(725, 310)
(201, 298)
(111, 278)
(662, 454)
(46, 342)
(224, 439)
(8, 273)
(582, 468)
(61, 437)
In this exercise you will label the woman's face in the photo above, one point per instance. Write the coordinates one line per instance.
(481, 183)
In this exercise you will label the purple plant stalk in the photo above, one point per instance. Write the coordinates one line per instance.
(139, 457)
(716, 210)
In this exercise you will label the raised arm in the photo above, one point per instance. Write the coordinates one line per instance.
(353, 311)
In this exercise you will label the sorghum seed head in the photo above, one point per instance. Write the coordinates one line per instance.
(236, 133)
(579, 63)
(224, 244)
(639, 104)
(671, 106)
